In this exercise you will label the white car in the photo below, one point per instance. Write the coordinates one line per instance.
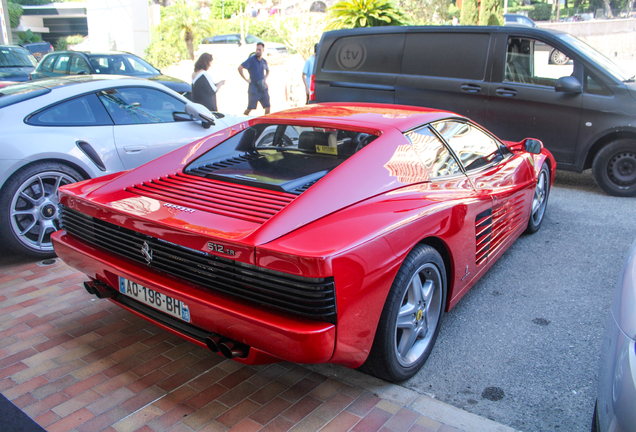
(230, 44)
(63, 130)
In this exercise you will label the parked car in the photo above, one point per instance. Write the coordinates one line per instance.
(16, 63)
(521, 20)
(62, 63)
(582, 106)
(59, 131)
(226, 42)
(614, 410)
(343, 238)
(38, 49)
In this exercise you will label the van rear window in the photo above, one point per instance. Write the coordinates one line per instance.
(368, 53)
(448, 55)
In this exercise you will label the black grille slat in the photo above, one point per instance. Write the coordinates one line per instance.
(311, 298)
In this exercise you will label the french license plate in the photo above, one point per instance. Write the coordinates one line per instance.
(155, 299)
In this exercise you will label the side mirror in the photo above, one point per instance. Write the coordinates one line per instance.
(532, 145)
(181, 116)
(199, 112)
(568, 84)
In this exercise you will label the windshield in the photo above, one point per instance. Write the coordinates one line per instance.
(121, 64)
(279, 157)
(16, 57)
(609, 66)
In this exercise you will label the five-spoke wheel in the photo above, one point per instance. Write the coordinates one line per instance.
(30, 207)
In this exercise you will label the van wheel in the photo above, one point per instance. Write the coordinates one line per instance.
(614, 168)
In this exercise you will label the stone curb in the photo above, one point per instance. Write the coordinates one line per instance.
(423, 404)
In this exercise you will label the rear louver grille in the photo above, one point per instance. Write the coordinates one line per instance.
(483, 230)
(207, 169)
(213, 196)
(308, 297)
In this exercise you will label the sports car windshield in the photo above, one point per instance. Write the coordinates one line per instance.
(279, 157)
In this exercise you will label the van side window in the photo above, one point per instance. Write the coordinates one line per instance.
(369, 53)
(531, 61)
(433, 153)
(593, 86)
(448, 55)
(474, 147)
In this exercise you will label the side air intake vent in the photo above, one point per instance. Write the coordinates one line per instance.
(483, 232)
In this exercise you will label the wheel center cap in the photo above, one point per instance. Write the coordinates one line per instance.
(48, 211)
(419, 315)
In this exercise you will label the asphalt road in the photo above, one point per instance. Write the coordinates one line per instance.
(522, 347)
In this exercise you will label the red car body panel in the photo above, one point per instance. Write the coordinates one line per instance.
(356, 225)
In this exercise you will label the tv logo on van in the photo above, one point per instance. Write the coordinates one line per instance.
(351, 55)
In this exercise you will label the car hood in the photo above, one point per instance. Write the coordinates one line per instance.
(15, 73)
(162, 201)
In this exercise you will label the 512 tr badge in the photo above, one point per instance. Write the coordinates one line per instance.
(220, 249)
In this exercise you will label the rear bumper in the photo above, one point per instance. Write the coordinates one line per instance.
(266, 332)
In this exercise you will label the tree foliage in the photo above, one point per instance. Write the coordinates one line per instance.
(229, 7)
(364, 13)
(422, 12)
(28, 37)
(184, 21)
(470, 13)
(491, 13)
(15, 12)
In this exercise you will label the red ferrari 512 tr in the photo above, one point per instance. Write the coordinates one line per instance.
(335, 233)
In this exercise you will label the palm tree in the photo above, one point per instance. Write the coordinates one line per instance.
(364, 13)
(184, 20)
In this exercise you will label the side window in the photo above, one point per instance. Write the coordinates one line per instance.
(464, 55)
(61, 65)
(594, 86)
(250, 39)
(139, 67)
(82, 111)
(474, 147)
(47, 64)
(79, 66)
(531, 61)
(369, 53)
(433, 153)
(139, 105)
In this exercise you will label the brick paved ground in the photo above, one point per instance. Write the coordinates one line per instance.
(73, 362)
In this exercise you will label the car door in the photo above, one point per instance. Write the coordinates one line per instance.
(446, 70)
(144, 125)
(496, 173)
(523, 101)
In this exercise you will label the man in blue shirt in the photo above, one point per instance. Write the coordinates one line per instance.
(258, 69)
(308, 69)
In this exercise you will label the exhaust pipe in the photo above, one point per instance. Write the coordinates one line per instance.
(100, 290)
(213, 343)
(233, 349)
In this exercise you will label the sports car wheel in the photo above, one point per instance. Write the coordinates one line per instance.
(411, 317)
(539, 200)
(615, 168)
(557, 57)
(28, 207)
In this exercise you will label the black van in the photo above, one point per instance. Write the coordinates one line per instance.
(517, 81)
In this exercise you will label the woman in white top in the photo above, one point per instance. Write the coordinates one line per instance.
(203, 86)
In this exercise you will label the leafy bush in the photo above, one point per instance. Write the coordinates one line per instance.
(231, 6)
(470, 13)
(541, 12)
(63, 42)
(15, 12)
(163, 50)
(28, 37)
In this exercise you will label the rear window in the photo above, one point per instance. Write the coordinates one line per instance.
(279, 157)
(380, 53)
(16, 57)
(449, 55)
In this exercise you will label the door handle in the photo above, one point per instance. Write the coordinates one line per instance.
(470, 88)
(506, 92)
(134, 149)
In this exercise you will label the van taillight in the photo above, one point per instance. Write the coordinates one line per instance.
(312, 88)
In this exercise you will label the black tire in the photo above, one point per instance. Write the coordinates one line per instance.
(28, 207)
(539, 200)
(558, 58)
(614, 168)
(398, 354)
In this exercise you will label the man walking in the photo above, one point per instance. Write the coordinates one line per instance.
(308, 69)
(258, 69)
